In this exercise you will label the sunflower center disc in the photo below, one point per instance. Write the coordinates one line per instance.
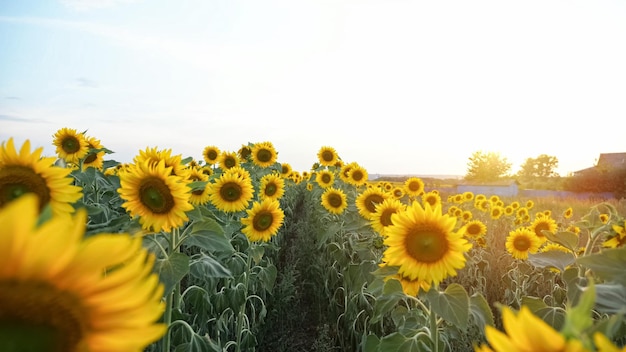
(473, 230)
(264, 155)
(270, 189)
(372, 201)
(38, 317)
(385, 218)
(426, 245)
(18, 180)
(328, 156)
(263, 221)
(230, 192)
(156, 196)
(521, 244)
(335, 200)
(70, 145)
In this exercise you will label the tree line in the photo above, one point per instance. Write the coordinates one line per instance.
(540, 172)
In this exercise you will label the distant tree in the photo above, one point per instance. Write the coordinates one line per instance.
(487, 166)
(542, 166)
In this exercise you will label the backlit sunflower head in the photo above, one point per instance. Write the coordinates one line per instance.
(28, 172)
(231, 192)
(152, 193)
(567, 213)
(397, 192)
(409, 287)
(327, 156)
(423, 244)
(431, 198)
(263, 220)
(71, 146)
(334, 200)
(367, 201)
(381, 219)
(541, 224)
(522, 241)
(60, 291)
(211, 154)
(344, 172)
(414, 187)
(244, 153)
(474, 229)
(272, 186)
(264, 154)
(325, 178)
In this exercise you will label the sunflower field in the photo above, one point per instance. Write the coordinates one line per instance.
(239, 252)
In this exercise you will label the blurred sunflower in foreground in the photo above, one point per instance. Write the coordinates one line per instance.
(62, 292)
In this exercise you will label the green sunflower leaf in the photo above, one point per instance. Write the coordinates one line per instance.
(566, 239)
(552, 259)
(480, 311)
(453, 304)
(608, 264)
(171, 270)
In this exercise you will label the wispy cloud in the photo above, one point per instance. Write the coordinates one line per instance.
(4, 117)
(87, 5)
(86, 82)
(12, 98)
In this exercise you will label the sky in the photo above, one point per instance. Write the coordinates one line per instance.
(398, 86)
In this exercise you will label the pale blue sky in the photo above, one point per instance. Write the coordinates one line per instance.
(397, 86)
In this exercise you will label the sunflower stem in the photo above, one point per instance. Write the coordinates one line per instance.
(242, 309)
(167, 319)
(434, 331)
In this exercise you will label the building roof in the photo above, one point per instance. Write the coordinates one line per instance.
(614, 160)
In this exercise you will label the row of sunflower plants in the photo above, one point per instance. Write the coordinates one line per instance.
(405, 270)
(204, 235)
(165, 253)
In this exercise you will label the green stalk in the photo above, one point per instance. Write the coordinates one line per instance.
(173, 297)
(242, 309)
(434, 332)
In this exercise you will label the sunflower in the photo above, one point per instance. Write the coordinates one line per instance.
(199, 196)
(423, 244)
(153, 156)
(153, 194)
(604, 218)
(325, 178)
(327, 156)
(357, 176)
(366, 201)
(530, 204)
(431, 198)
(244, 153)
(71, 146)
(334, 200)
(94, 159)
(509, 210)
(231, 192)
(264, 154)
(522, 241)
(541, 224)
(272, 186)
(468, 196)
(344, 173)
(285, 169)
(414, 186)
(521, 212)
(474, 229)
(28, 172)
(263, 220)
(381, 219)
(526, 332)
(309, 186)
(467, 215)
(617, 239)
(397, 192)
(409, 287)
(228, 160)
(604, 344)
(496, 212)
(62, 292)
(567, 213)
(211, 154)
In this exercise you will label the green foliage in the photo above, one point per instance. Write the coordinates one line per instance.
(487, 166)
(543, 166)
